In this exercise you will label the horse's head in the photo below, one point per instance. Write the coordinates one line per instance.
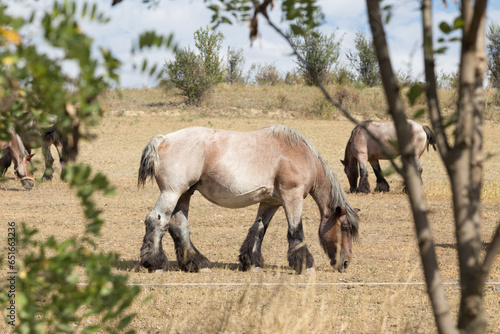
(351, 170)
(335, 235)
(23, 171)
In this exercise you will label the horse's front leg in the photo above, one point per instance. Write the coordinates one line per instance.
(152, 255)
(299, 257)
(364, 185)
(250, 251)
(188, 257)
(5, 162)
(49, 160)
(382, 185)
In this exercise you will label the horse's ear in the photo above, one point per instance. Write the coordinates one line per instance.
(342, 161)
(357, 209)
(28, 157)
(340, 210)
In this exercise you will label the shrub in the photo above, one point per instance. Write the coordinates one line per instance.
(364, 60)
(234, 66)
(493, 36)
(188, 74)
(321, 52)
(209, 44)
(267, 74)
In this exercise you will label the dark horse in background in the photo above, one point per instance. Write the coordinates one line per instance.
(362, 148)
(50, 136)
(17, 152)
(273, 166)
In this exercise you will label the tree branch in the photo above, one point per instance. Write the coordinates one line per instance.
(489, 259)
(435, 290)
(430, 79)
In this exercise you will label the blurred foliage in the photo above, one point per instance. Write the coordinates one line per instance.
(36, 91)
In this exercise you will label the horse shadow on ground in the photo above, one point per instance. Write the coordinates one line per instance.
(135, 266)
(484, 245)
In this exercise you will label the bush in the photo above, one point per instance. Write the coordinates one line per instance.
(188, 74)
(493, 36)
(364, 60)
(209, 44)
(321, 52)
(267, 74)
(293, 78)
(234, 66)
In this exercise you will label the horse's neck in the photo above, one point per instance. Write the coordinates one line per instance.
(322, 192)
(349, 158)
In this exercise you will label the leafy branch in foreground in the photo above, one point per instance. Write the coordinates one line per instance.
(48, 291)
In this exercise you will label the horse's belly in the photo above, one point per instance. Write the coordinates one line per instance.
(236, 198)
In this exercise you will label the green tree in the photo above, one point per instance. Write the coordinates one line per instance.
(188, 73)
(364, 60)
(209, 43)
(234, 66)
(320, 52)
(493, 36)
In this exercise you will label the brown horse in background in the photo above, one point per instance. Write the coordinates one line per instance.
(21, 158)
(274, 166)
(30, 138)
(362, 148)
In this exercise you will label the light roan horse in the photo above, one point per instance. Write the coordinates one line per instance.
(21, 158)
(274, 166)
(361, 149)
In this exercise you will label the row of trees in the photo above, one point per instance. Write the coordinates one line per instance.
(194, 73)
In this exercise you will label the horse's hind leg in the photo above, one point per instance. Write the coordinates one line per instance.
(364, 185)
(299, 257)
(382, 185)
(188, 257)
(250, 252)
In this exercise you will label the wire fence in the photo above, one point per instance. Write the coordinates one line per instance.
(295, 284)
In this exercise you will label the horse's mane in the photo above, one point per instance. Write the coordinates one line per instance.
(20, 143)
(338, 197)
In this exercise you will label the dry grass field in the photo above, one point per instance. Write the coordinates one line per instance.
(386, 251)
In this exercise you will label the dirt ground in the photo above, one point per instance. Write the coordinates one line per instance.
(386, 251)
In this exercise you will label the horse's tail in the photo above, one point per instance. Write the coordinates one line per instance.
(431, 137)
(52, 136)
(149, 160)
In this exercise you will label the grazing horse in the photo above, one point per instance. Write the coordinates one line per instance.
(18, 153)
(50, 136)
(362, 148)
(274, 166)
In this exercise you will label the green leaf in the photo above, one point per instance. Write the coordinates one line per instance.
(445, 27)
(414, 92)
(458, 23)
(419, 113)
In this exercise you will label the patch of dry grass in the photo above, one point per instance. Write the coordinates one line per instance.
(386, 251)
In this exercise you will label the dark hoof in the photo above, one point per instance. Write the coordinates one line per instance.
(362, 190)
(248, 261)
(301, 260)
(47, 177)
(382, 189)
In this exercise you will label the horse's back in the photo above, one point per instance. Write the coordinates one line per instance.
(231, 168)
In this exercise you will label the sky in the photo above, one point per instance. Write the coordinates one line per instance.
(184, 17)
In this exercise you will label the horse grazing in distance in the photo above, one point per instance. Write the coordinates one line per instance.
(362, 148)
(21, 158)
(274, 166)
(50, 136)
